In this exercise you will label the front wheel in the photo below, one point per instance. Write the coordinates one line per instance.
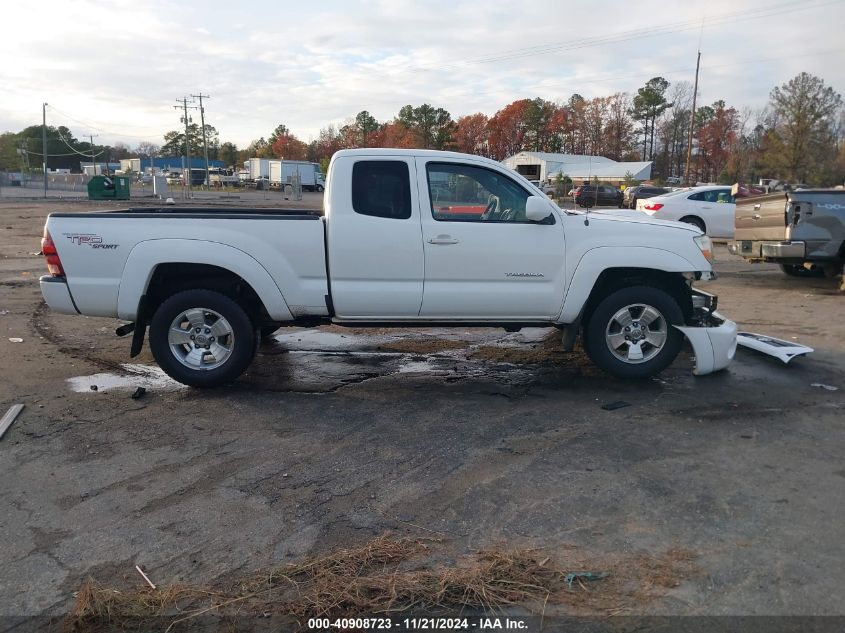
(319, 188)
(630, 333)
(202, 338)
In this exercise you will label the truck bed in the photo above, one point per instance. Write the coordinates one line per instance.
(108, 255)
(199, 212)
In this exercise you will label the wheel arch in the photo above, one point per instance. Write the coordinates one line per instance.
(605, 269)
(612, 279)
(157, 268)
(695, 219)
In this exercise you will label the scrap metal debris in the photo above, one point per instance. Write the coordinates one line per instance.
(589, 576)
(823, 386)
(616, 404)
(149, 582)
(15, 339)
(9, 417)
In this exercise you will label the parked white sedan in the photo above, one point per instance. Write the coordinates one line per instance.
(711, 208)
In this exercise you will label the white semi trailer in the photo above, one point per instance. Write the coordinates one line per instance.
(283, 172)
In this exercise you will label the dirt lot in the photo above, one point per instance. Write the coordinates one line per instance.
(481, 439)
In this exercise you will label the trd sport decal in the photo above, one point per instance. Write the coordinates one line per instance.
(89, 239)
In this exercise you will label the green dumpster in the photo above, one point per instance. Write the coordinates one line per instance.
(108, 188)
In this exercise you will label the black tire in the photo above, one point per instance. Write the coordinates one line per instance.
(634, 203)
(319, 188)
(596, 343)
(690, 219)
(798, 270)
(244, 336)
(831, 271)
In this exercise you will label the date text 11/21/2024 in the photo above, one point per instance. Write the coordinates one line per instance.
(419, 624)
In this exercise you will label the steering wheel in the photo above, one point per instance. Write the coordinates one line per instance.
(490, 209)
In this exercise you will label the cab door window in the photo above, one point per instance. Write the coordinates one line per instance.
(466, 193)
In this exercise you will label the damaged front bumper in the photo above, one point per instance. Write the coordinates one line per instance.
(712, 336)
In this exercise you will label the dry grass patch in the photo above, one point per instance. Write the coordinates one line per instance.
(548, 350)
(389, 576)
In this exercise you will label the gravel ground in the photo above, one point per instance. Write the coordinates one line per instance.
(482, 438)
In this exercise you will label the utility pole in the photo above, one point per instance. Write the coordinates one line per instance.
(186, 120)
(692, 122)
(93, 158)
(44, 144)
(204, 143)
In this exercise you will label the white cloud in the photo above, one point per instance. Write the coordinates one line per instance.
(117, 67)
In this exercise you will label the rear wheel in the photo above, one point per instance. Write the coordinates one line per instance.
(798, 270)
(202, 338)
(630, 333)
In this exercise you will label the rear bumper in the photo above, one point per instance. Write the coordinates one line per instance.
(714, 344)
(786, 250)
(57, 295)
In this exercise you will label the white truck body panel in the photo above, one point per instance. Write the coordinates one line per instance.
(270, 251)
(259, 168)
(275, 171)
(283, 172)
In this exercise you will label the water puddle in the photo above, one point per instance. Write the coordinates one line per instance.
(147, 376)
(320, 361)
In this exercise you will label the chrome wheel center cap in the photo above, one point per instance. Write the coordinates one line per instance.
(201, 340)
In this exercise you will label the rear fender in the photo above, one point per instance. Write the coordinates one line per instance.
(145, 256)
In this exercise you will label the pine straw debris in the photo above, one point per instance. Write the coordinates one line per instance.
(384, 576)
(547, 350)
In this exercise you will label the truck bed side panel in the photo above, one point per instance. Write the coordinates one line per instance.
(94, 248)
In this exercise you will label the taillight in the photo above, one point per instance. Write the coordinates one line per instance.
(48, 249)
(652, 206)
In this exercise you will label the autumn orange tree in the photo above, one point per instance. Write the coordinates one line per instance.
(799, 135)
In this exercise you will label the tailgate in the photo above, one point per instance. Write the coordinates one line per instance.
(761, 218)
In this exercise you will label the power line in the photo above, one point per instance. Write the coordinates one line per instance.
(73, 149)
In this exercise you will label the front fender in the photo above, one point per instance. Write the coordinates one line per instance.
(596, 260)
(146, 255)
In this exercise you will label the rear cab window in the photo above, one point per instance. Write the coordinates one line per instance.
(382, 189)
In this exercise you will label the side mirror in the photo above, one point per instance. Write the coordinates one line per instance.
(536, 209)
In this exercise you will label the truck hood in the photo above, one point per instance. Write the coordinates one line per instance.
(636, 217)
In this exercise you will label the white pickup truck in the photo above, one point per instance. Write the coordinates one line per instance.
(407, 237)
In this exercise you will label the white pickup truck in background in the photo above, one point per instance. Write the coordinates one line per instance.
(407, 237)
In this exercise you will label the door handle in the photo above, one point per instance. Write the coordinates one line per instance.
(443, 239)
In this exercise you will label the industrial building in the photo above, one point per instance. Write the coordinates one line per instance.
(166, 164)
(543, 167)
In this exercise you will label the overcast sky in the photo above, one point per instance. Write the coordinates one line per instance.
(116, 68)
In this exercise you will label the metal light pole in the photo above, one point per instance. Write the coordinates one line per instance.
(44, 144)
